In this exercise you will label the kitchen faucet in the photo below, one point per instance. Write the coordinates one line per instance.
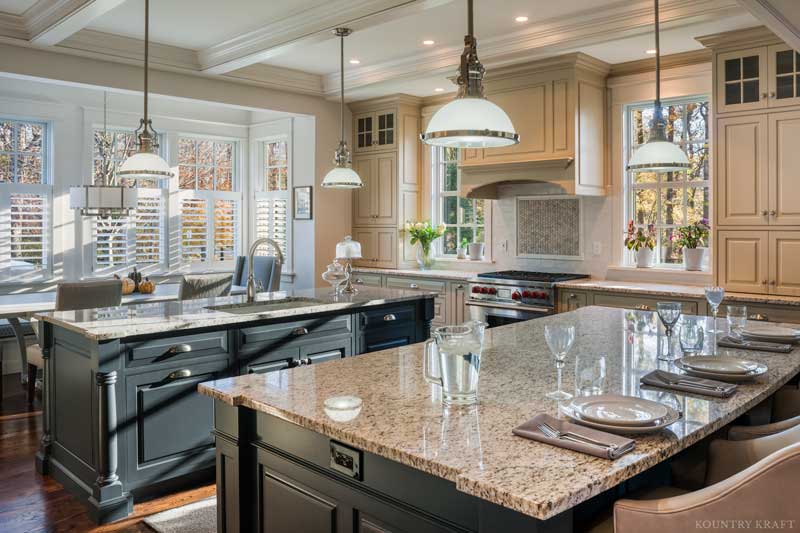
(251, 280)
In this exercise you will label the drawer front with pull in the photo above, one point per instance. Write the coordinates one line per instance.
(277, 336)
(641, 303)
(174, 349)
(368, 280)
(387, 316)
(328, 350)
(764, 313)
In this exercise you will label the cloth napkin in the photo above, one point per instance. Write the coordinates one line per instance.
(530, 430)
(668, 380)
(761, 346)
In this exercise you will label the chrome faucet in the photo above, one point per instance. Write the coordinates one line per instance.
(251, 280)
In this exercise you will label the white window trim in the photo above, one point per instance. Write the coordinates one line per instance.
(628, 189)
(436, 215)
(256, 194)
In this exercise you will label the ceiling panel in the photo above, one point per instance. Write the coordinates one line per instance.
(15, 7)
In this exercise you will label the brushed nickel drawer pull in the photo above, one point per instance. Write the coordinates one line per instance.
(773, 213)
(758, 317)
(389, 318)
(299, 331)
(179, 374)
(643, 307)
(178, 348)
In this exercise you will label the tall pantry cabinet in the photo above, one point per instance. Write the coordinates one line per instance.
(756, 162)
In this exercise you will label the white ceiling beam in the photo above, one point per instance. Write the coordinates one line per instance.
(51, 21)
(304, 28)
(780, 16)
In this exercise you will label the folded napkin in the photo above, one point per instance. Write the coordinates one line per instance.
(692, 384)
(761, 346)
(617, 445)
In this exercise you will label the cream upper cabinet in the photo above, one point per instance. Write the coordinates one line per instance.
(742, 260)
(742, 171)
(531, 112)
(378, 247)
(784, 256)
(742, 80)
(375, 130)
(784, 76)
(784, 168)
(376, 202)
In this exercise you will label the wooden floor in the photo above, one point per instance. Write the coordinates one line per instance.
(30, 502)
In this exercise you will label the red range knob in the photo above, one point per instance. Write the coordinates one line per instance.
(526, 294)
(484, 290)
(492, 290)
(476, 289)
(543, 295)
(515, 296)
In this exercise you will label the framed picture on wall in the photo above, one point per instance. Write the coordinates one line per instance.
(302, 203)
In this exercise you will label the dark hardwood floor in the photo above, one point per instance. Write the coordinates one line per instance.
(30, 502)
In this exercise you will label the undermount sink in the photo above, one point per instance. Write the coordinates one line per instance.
(265, 306)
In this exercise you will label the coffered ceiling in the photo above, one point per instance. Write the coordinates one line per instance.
(289, 45)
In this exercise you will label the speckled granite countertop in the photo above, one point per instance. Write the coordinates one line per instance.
(437, 274)
(672, 290)
(160, 317)
(402, 418)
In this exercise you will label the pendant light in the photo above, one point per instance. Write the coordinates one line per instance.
(470, 121)
(104, 197)
(342, 176)
(146, 163)
(658, 154)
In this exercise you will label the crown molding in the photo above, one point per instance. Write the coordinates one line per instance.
(756, 36)
(785, 25)
(279, 78)
(13, 26)
(543, 39)
(669, 61)
(383, 101)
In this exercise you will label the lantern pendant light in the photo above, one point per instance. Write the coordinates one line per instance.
(470, 121)
(658, 154)
(342, 176)
(146, 163)
(104, 197)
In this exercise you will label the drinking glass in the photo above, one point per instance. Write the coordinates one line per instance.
(714, 296)
(737, 319)
(559, 338)
(590, 375)
(690, 337)
(669, 313)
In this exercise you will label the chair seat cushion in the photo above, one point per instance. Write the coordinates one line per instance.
(605, 521)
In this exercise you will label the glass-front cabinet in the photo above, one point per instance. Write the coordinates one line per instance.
(375, 131)
(784, 76)
(757, 78)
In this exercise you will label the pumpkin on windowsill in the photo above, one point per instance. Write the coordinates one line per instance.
(147, 286)
(128, 285)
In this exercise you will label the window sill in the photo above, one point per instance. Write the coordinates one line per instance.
(445, 259)
(659, 275)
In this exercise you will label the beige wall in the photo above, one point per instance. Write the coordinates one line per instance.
(332, 209)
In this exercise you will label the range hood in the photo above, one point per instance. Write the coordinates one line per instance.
(493, 180)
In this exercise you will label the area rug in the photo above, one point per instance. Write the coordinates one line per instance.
(197, 517)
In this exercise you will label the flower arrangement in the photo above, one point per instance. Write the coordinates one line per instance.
(424, 234)
(692, 236)
(638, 238)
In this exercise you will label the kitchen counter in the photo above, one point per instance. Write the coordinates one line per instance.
(165, 316)
(402, 420)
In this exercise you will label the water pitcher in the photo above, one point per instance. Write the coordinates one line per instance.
(453, 360)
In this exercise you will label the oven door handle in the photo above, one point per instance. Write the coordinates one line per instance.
(514, 308)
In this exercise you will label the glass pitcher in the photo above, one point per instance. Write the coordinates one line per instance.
(453, 361)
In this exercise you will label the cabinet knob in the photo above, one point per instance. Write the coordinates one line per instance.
(764, 95)
(572, 296)
(389, 318)
(772, 213)
(459, 287)
(763, 282)
(764, 213)
(359, 281)
(772, 94)
(772, 282)
(413, 286)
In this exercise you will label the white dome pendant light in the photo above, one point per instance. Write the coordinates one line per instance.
(658, 154)
(470, 121)
(146, 163)
(342, 176)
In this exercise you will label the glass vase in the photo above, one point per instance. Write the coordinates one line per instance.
(424, 257)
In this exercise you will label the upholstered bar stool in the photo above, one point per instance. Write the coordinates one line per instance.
(266, 271)
(785, 415)
(194, 286)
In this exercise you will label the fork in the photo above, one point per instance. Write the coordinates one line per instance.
(553, 433)
(697, 385)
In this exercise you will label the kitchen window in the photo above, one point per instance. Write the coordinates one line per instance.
(463, 218)
(25, 200)
(272, 196)
(210, 199)
(669, 200)
(122, 242)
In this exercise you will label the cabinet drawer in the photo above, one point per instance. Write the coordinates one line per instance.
(416, 283)
(645, 303)
(327, 350)
(292, 333)
(370, 280)
(257, 362)
(770, 313)
(387, 337)
(179, 348)
(387, 316)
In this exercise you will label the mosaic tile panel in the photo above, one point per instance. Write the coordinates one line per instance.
(549, 227)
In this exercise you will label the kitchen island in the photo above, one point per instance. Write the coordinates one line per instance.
(122, 415)
(400, 461)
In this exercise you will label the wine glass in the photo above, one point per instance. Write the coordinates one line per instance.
(669, 313)
(714, 295)
(560, 338)
(737, 319)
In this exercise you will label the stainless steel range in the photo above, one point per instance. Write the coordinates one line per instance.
(509, 296)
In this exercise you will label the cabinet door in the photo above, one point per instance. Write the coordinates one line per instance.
(363, 209)
(375, 203)
(784, 168)
(288, 506)
(385, 136)
(784, 263)
(532, 118)
(742, 80)
(378, 247)
(784, 76)
(742, 262)
(364, 126)
(742, 171)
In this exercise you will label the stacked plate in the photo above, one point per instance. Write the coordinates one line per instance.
(621, 414)
(771, 333)
(730, 369)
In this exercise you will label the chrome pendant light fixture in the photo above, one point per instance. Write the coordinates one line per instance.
(342, 176)
(470, 121)
(146, 163)
(104, 197)
(658, 154)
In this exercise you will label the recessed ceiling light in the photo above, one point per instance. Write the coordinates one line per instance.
(521, 19)
(652, 51)
(428, 42)
(439, 90)
(354, 61)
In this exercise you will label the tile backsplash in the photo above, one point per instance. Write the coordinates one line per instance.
(549, 227)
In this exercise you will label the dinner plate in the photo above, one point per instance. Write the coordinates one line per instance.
(720, 365)
(616, 410)
(769, 338)
(672, 417)
(769, 330)
(730, 378)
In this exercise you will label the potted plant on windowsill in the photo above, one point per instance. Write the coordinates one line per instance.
(691, 238)
(461, 251)
(641, 242)
(424, 234)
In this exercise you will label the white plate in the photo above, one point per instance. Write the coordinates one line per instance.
(730, 378)
(720, 365)
(619, 410)
(765, 330)
(672, 417)
(769, 338)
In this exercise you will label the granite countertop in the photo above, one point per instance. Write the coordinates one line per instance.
(672, 290)
(402, 418)
(163, 316)
(437, 274)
